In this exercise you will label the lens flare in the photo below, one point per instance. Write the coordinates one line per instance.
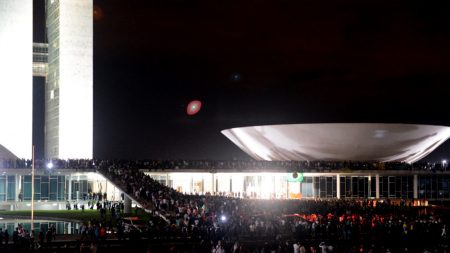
(193, 107)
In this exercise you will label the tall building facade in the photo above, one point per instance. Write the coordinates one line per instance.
(66, 63)
(16, 81)
(69, 86)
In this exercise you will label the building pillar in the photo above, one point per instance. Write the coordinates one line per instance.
(287, 190)
(213, 184)
(69, 188)
(377, 186)
(167, 180)
(338, 186)
(274, 188)
(126, 204)
(258, 187)
(203, 185)
(18, 187)
(415, 187)
(192, 190)
(314, 188)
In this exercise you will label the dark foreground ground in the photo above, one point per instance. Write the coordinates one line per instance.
(74, 244)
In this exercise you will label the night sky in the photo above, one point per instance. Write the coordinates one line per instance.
(258, 62)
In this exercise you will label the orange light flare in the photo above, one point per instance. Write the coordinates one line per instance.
(98, 13)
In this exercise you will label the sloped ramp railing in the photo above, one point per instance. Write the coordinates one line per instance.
(146, 205)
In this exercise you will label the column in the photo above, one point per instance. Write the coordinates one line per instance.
(287, 189)
(127, 204)
(18, 187)
(69, 227)
(69, 188)
(415, 187)
(213, 184)
(377, 186)
(338, 186)
(313, 186)
(203, 185)
(192, 185)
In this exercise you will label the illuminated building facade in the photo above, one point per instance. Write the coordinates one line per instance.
(52, 188)
(16, 83)
(67, 64)
(415, 186)
(69, 87)
(339, 141)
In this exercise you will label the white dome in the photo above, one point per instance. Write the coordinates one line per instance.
(339, 142)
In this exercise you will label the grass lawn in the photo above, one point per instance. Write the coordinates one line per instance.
(71, 214)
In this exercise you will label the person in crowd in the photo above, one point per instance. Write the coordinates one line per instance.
(6, 237)
(48, 236)
(16, 236)
(41, 238)
(1, 237)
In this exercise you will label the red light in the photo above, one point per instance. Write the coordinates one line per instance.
(193, 107)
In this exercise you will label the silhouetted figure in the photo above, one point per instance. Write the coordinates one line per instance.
(1, 237)
(6, 236)
(16, 236)
(49, 236)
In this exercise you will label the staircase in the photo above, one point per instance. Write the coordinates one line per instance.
(144, 204)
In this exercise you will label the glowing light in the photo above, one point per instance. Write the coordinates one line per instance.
(16, 82)
(98, 13)
(236, 77)
(193, 107)
(223, 218)
(75, 80)
(50, 165)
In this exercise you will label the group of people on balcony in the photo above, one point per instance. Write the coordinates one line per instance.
(210, 165)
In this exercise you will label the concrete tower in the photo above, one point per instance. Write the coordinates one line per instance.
(69, 87)
(16, 81)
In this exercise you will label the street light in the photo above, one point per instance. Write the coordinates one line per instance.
(50, 165)
(444, 164)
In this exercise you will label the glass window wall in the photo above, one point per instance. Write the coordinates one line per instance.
(45, 187)
(355, 187)
(433, 186)
(3, 188)
(396, 187)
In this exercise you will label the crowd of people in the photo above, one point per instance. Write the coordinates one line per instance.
(23, 238)
(225, 224)
(218, 224)
(210, 165)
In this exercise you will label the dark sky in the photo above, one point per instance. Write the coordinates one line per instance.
(295, 62)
